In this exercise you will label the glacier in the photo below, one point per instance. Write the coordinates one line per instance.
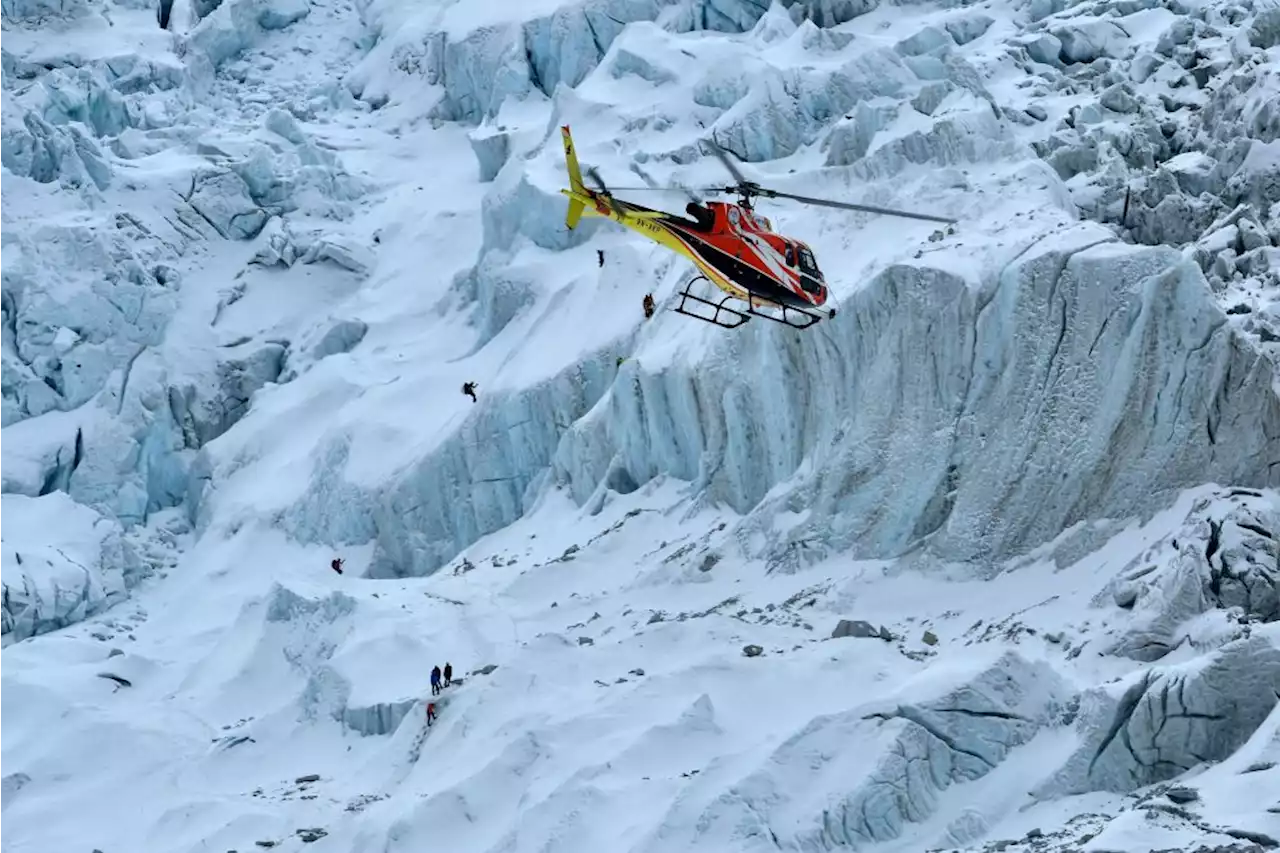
(252, 257)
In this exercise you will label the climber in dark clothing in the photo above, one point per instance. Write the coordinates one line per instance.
(336, 565)
(448, 674)
(435, 680)
(648, 305)
(600, 253)
(469, 388)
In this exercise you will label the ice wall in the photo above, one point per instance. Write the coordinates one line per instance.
(478, 64)
(1088, 379)
(50, 584)
(1168, 720)
(922, 745)
(125, 177)
(479, 480)
(1124, 382)
(479, 61)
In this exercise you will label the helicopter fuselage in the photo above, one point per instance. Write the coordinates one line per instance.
(732, 245)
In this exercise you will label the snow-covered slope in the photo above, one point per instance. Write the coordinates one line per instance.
(249, 261)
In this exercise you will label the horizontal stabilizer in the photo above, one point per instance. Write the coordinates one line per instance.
(575, 212)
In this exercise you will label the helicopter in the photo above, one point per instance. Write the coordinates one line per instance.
(730, 245)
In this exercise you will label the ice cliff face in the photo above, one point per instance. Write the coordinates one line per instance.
(116, 191)
(893, 429)
(907, 406)
(83, 574)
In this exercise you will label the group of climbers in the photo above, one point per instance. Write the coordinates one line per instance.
(440, 678)
(437, 687)
(437, 674)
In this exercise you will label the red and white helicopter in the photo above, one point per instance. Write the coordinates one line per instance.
(730, 245)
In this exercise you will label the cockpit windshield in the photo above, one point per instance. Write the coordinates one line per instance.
(808, 265)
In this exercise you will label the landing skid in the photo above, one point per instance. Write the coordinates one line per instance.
(796, 318)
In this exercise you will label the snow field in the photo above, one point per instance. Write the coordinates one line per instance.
(287, 233)
(327, 676)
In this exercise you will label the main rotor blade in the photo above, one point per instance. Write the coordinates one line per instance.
(649, 182)
(693, 194)
(595, 176)
(866, 208)
(723, 157)
(644, 176)
(647, 189)
(653, 186)
(604, 190)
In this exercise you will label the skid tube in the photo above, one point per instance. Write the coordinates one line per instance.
(736, 318)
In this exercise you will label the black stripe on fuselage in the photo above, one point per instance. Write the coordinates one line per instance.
(739, 271)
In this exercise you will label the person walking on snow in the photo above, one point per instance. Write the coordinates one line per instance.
(431, 712)
(600, 252)
(435, 680)
(336, 565)
(448, 673)
(469, 388)
(648, 305)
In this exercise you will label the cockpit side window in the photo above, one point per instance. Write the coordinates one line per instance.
(791, 255)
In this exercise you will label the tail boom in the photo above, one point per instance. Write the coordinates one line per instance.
(649, 223)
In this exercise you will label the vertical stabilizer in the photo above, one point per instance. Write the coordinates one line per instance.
(576, 188)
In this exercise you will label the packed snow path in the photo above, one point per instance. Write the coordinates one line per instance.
(249, 263)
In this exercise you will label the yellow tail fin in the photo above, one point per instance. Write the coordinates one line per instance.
(575, 212)
(576, 205)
